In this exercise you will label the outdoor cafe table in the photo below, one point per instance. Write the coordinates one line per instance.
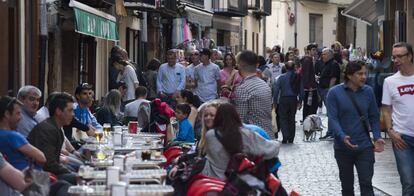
(126, 148)
(143, 175)
(151, 135)
(136, 163)
(132, 190)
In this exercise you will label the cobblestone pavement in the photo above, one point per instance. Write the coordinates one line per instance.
(310, 167)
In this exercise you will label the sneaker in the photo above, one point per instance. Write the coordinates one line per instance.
(326, 137)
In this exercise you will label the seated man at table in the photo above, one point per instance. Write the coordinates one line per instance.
(48, 137)
(132, 108)
(185, 129)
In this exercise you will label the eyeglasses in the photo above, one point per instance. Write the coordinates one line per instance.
(398, 56)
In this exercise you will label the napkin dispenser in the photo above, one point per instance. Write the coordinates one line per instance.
(117, 139)
(112, 175)
(119, 189)
(119, 161)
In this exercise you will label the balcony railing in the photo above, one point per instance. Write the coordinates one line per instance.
(169, 7)
(253, 4)
(265, 8)
(198, 3)
(141, 4)
(231, 8)
(98, 3)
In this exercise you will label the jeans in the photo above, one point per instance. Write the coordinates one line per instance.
(405, 165)
(277, 118)
(364, 163)
(69, 177)
(323, 92)
(287, 108)
(310, 109)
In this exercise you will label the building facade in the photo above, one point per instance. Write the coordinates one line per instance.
(316, 21)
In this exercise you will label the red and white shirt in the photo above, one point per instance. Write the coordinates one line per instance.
(398, 91)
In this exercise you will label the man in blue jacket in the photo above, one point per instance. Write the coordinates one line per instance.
(352, 143)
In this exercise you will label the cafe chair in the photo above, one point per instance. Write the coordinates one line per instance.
(202, 188)
(171, 153)
(273, 183)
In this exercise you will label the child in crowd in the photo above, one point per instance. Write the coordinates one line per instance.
(185, 131)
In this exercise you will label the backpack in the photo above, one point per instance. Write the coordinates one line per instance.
(160, 116)
(140, 75)
(144, 114)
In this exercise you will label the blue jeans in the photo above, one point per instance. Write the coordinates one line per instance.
(364, 163)
(323, 92)
(405, 165)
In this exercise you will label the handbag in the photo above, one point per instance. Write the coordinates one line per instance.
(362, 118)
(40, 182)
(229, 86)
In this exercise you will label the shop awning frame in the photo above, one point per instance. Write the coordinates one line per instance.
(199, 16)
(362, 10)
(93, 22)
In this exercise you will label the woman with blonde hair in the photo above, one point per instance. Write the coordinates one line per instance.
(208, 113)
(110, 111)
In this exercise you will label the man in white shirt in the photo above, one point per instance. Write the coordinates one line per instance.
(207, 77)
(131, 109)
(273, 69)
(170, 79)
(397, 102)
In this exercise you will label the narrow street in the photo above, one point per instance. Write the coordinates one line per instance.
(310, 167)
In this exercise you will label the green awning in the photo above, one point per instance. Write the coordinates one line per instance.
(92, 22)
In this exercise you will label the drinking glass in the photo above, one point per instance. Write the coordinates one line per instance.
(99, 134)
(106, 129)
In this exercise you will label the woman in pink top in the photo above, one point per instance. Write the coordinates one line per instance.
(229, 76)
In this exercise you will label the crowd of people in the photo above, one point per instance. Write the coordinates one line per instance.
(223, 106)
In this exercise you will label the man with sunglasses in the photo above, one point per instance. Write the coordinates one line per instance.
(30, 96)
(397, 102)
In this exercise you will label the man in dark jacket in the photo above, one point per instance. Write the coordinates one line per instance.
(48, 137)
(329, 76)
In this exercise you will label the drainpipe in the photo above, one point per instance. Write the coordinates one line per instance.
(386, 27)
(22, 31)
(241, 33)
(296, 24)
(42, 45)
(144, 39)
(264, 35)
